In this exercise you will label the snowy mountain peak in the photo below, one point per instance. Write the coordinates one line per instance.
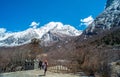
(57, 25)
(113, 5)
(24, 37)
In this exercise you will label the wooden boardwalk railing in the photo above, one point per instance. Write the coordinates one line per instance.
(62, 68)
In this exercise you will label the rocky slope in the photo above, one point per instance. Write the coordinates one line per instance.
(107, 20)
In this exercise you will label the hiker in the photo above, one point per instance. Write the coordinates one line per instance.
(45, 66)
(40, 64)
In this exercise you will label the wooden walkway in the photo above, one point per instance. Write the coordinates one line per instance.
(36, 73)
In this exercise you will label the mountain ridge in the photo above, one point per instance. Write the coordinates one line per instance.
(24, 37)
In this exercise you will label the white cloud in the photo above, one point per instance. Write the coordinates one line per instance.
(87, 21)
(34, 24)
(2, 30)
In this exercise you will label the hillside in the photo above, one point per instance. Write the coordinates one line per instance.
(99, 45)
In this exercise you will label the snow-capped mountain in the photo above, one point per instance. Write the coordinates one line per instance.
(107, 20)
(50, 32)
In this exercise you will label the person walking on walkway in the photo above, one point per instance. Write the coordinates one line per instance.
(45, 66)
(40, 64)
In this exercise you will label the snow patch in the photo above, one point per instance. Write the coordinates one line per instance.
(2, 30)
(34, 24)
(87, 21)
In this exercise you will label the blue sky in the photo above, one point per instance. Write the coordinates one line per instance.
(17, 15)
